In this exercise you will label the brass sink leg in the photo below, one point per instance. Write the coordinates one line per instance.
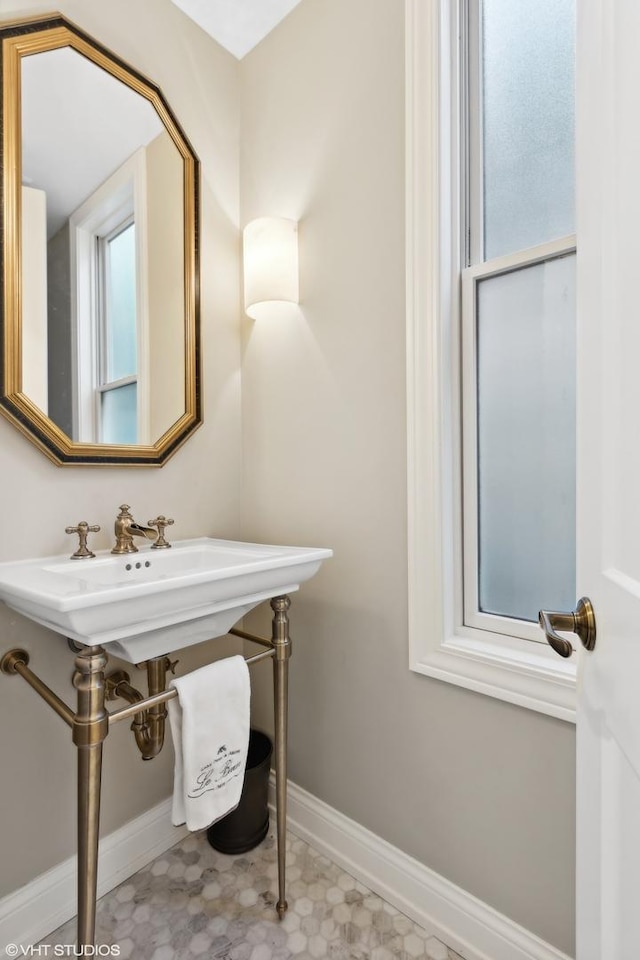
(90, 727)
(282, 646)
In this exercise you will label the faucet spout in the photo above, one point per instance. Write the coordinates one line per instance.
(126, 529)
(137, 530)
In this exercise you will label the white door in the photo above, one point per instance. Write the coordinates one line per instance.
(608, 228)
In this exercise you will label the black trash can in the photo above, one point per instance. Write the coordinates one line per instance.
(247, 826)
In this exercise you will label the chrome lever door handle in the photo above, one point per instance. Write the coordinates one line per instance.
(581, 621)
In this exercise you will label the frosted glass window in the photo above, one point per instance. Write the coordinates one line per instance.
(120, 414)
(121, 305)
(526, 439)
(528, 54)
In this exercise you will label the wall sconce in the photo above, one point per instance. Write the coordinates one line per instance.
(270, 254)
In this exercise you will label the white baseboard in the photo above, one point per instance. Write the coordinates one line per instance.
(465, 923)
(37, 909)
(449, 913)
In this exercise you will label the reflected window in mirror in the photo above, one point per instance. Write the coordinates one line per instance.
(118, 387)
(108, 313)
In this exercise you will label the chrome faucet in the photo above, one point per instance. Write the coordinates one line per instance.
(126, 529)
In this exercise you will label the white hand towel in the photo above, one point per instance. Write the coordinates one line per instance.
(210, 728)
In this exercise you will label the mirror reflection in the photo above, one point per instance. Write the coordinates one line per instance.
(103, 271)
(99, 303)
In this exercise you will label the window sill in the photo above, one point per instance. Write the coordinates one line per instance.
(534, 679)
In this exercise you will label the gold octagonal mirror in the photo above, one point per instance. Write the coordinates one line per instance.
(100, 326)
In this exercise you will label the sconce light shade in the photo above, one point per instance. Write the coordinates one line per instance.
(270, 254)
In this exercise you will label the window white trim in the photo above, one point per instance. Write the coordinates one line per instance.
(122, 194)
(508, 668)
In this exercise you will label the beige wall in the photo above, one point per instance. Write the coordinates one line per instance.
(34, 296)
(37, 794)
(477, 789)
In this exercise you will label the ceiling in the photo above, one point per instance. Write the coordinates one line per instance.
(237, 25)
(68, 147)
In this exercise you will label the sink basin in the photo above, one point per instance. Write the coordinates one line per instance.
(147, 604)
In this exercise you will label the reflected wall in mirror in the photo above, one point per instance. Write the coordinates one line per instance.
(100, 306)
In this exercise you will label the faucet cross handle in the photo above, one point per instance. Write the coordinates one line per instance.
(171, 665)
(83, 529)
(161, 522)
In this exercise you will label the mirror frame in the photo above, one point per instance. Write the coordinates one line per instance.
(37, 35)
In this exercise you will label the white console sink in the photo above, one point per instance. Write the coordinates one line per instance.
(150, 603)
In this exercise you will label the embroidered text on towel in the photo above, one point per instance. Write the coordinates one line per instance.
(218, 773)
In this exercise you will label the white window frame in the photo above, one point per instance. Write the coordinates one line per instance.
(102, 238)
(471, 276)
(507, 667)
(121, 196)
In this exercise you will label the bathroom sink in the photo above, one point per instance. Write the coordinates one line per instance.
(150, 603)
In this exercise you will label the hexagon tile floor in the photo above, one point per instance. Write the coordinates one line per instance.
(194, 902)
